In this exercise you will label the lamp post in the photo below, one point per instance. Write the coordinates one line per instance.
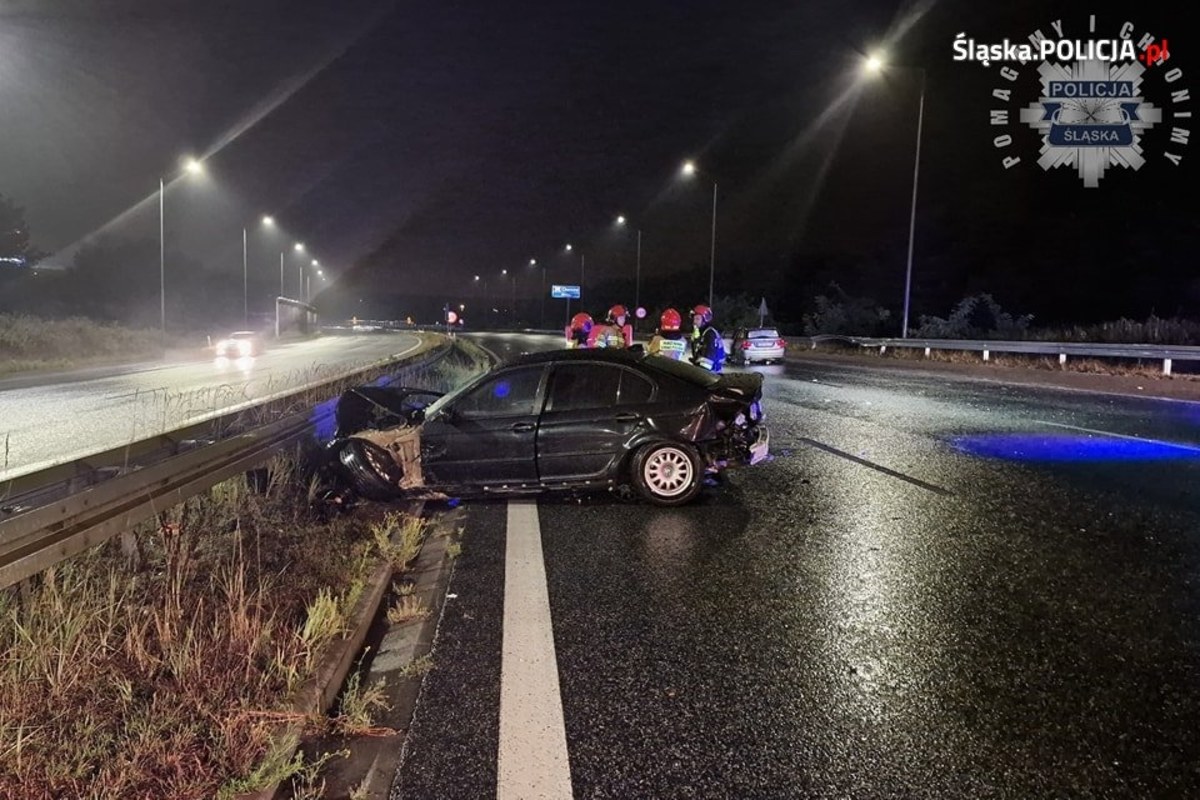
(190, 167)
(637, 281)
(875, 65)
(486, 300)
(512, 311)
(689, 169)
(299, 248)
(533, 263)
(582, 263)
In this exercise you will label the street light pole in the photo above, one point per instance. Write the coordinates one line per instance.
(712, 253)
(912, 217)
(689, 169)
(245, 282)
(281, 273)
(191, 166)
(637, 282)
(162, 259)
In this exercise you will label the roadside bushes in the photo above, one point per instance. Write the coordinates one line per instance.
(839, 313)
(976, 317)
(1154, 330)
(25, 338)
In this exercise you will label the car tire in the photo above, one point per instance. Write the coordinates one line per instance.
(667, 473)
(358, 458)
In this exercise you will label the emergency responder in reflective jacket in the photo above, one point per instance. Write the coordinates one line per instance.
(670, 341)
(614, 332)
(579, 330)
(708, 349)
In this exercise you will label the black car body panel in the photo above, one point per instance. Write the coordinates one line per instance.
(560, 420)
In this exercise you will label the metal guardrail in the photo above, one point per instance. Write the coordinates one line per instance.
(37, 537)
(1164, 353)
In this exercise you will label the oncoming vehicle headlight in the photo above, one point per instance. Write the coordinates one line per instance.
(223, 345)
(244, 347)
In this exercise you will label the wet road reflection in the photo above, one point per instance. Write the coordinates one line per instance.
(829, 624)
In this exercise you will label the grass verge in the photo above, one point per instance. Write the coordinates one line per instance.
(168, 676)
(28, 343)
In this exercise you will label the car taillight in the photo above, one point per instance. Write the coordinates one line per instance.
(783, 343)
(745, 344)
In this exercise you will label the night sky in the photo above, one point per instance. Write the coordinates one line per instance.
(412, 145)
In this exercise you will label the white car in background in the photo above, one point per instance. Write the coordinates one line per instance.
(756, 345)
(240, 344)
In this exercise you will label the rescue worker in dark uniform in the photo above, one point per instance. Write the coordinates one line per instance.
(708, 349)
(669, 341)
(579, 330)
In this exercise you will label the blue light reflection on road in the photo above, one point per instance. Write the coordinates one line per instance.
(1068, 448)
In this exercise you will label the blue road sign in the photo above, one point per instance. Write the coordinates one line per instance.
(564, 292)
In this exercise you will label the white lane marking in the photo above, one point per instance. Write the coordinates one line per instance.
(1180, 445)
(533, 759)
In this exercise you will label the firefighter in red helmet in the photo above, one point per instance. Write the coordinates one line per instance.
(708, 349)
(579, 330)
(669, 341)
(615, 330)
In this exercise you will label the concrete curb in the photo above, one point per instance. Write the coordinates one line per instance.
(317, 694)
(370, 770)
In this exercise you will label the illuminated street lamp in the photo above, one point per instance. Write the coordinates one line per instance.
(874, 65)
(533, 263)
(513, 307)
(581, 267)
(690, 170)
(268, 222)
(190, 167)
(299, 248)
(486, 300)
(637, 283)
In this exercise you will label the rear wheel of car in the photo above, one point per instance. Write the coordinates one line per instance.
(667, 473)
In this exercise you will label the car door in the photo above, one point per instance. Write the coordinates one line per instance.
(486, 436)
(592, 411)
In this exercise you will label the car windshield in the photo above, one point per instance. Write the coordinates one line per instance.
(764, 333)
(437, 405)
(682, 369)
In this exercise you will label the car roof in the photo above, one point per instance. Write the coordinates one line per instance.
(614, 355)
(244, 333)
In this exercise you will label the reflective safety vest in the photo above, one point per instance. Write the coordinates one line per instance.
(606, 336)
(671, 348)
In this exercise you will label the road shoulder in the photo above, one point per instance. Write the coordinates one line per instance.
(1161, 387)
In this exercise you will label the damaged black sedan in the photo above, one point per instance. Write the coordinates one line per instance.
(562, 420)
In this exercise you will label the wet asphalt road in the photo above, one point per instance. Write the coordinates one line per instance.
(42, 425)
(937, 588)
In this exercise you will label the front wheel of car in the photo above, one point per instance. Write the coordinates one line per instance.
(370, 470)
(667, 473)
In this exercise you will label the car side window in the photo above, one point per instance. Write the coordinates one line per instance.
(575, 387)
(510, 393)
(635, 389)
